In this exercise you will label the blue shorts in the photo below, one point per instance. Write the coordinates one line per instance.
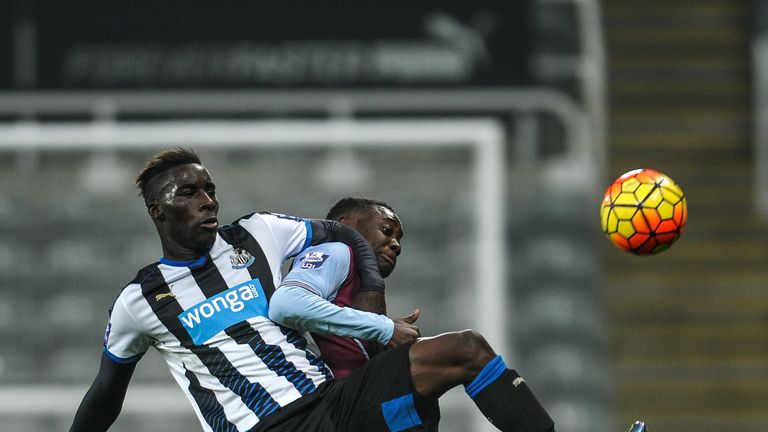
(377, 397)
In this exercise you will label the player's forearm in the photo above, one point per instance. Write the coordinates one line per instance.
(365, 260)
(97, 411)
(371, 301)
(300, 309)
(104, 400)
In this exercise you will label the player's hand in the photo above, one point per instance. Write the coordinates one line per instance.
(405, 330)
(410, 319)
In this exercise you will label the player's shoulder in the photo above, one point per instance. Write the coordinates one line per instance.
(146, 275)
(315, 256)
(270, 216)
(262, 219)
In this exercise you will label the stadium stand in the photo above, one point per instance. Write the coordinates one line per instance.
(684, 326)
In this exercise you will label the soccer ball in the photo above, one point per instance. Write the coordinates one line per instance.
(643, 212)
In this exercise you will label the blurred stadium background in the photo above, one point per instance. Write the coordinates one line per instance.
(491, 126)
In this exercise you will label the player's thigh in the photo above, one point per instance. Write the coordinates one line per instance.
(380, 397)
(441, 362)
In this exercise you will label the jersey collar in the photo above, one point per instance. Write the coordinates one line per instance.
(194, 263)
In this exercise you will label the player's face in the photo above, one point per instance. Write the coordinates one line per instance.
(382, 228)
(187, 211)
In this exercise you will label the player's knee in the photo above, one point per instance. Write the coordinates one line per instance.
(474, 351)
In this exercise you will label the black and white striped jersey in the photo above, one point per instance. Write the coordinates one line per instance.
(209, 321)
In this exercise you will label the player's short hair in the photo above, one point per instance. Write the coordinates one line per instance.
(158, 164)
(348, 205)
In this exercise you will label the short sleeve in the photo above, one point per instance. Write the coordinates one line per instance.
(292, 234)
(321, 269)
(124, 342)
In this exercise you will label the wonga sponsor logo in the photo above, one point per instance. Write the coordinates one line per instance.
(214, 314)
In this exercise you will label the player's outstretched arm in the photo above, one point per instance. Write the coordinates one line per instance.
(303, 301)
(298, 308)
(104, 400)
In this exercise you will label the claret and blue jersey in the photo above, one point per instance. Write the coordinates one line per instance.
(328, 271)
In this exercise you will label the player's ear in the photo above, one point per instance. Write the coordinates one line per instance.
(155, 212)
(343, 219)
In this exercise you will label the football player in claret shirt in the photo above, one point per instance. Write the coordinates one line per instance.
(381, 226)
(378, 222)
(321, 294)
(234, 344)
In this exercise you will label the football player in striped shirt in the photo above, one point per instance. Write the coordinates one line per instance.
(203, 305)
